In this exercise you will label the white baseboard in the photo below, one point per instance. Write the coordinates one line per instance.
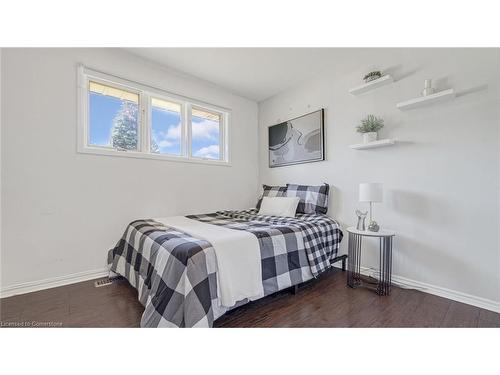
(53, 282)
(437, 290)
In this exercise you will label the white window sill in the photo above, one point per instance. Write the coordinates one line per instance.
(143, 155)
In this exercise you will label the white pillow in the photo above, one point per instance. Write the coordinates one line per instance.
(279, 206)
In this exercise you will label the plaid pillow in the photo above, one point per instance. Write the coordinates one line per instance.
(272, 192)
(313, 199)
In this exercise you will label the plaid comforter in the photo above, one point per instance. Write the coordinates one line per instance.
(176, 274)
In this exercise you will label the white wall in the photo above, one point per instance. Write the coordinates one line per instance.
(441, 181)
(1, 126)
(63, 210)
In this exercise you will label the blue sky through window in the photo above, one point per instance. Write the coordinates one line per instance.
(205, 138)
(103, 110)
(166, 130)
(165, 127)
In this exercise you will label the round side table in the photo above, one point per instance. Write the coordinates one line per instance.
(354, 279)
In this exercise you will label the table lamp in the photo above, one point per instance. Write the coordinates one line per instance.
(371, 192)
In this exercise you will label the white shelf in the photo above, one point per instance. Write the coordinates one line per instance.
(438, 97)
(376, 83)
(375, 144)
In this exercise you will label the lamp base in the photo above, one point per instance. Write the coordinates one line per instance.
(373, 226)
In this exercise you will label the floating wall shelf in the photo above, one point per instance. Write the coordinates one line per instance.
(374, 144)
(441, 96)
(382, 81)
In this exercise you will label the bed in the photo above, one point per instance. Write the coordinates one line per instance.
(176, 273)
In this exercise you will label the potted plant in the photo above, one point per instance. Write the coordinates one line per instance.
(369, 128)
(376, 74)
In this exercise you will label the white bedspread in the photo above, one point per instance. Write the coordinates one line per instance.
(239, 273)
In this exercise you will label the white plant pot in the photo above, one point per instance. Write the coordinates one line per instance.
(369, 137)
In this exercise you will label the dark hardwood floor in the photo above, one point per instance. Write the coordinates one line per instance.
(326, 302)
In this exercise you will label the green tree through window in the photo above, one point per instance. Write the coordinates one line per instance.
(124, 133)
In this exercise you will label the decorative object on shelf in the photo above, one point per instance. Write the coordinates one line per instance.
(370, 137)
(361, 219)
(428, 90)
(299, 140)
(369, 128)
(376, 74)
(371, 192)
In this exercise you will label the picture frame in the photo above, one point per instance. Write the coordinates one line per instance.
(297, 141)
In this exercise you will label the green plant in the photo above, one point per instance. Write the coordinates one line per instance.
(373, 75)
(370, 124)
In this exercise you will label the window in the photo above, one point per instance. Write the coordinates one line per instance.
(123, 118)
(113, 117)
(205, 134)
(166, 127)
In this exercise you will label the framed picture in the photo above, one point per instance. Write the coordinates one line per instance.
(296, 141)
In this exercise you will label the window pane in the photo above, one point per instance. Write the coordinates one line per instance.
(205, 130)
(165, 127)
(113, 117)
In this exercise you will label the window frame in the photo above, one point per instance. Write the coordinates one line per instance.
(146, 93)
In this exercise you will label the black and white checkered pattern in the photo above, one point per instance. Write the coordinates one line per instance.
(313, 199)
(175, 273)
(318, 235)
(271, 192)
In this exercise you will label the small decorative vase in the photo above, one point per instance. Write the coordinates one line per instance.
(428, 90)
(369, 137)
(361, 220)
(373, 226)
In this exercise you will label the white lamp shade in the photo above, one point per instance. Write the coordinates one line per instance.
(370, 192)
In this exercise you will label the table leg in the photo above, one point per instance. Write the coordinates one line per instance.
(354, 260)
(385, 271)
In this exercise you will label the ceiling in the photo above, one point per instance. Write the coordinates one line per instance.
(254, 73)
